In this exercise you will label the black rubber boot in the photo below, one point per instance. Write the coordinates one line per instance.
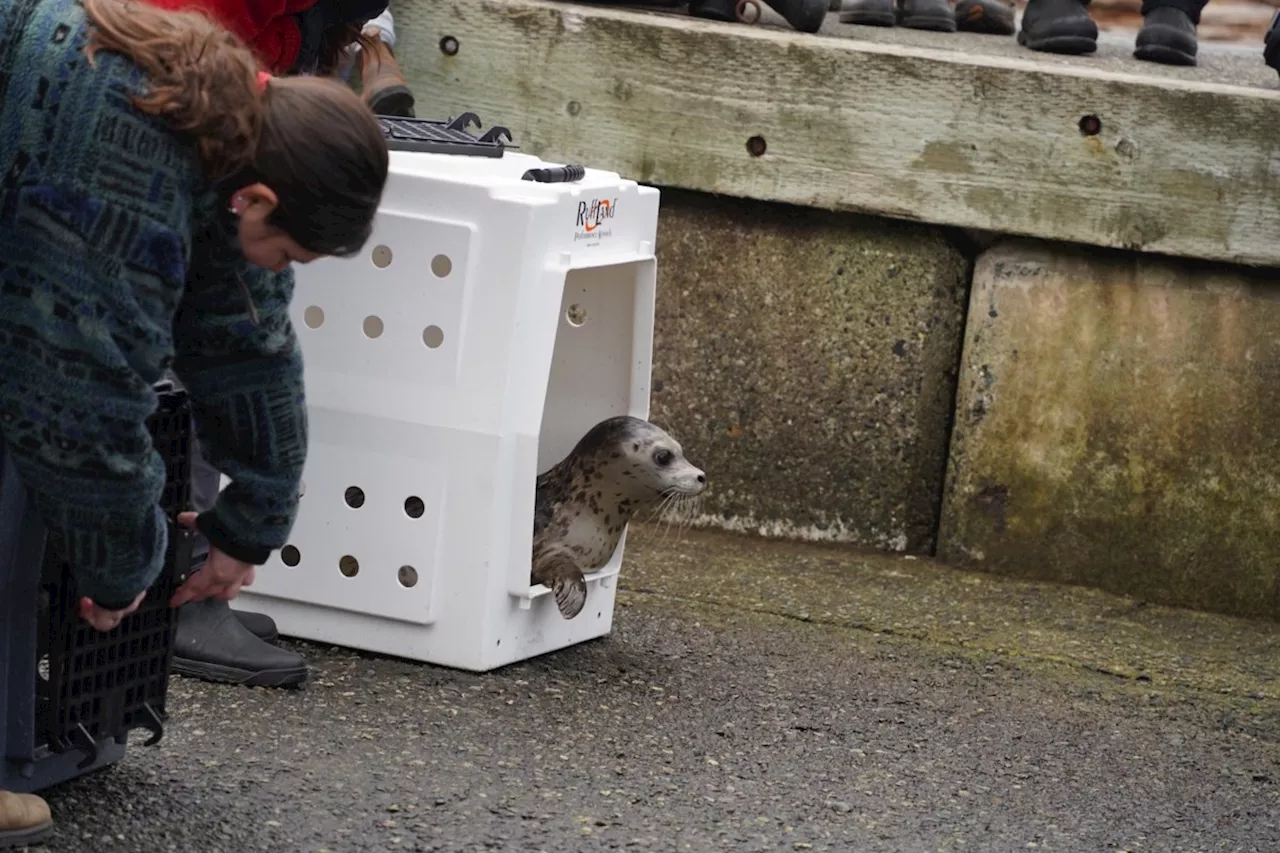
(935, 15)
(212, 644)
(1271, 43)
(1058, 26)
(260, 625)
(1168, 36)
(988, 17)
(869, 13)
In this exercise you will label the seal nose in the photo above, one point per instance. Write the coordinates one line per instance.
(702, 479)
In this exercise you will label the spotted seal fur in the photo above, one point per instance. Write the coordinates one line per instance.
(622, 466)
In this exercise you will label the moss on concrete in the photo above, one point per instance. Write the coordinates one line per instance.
(807, 360)
(974, 613)
(1118, 425)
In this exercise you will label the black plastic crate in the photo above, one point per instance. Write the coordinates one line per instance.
(91, 689)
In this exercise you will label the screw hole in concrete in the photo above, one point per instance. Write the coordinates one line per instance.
(1090, 125)
(756, 146)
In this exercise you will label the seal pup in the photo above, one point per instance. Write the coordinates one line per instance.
(623, 465)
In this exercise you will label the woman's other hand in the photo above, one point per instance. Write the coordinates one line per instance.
(106, 620)
(221, 576)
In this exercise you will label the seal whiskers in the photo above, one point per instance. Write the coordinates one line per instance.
(623, 465)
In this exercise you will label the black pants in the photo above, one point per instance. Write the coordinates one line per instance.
(204, 492)
(1193, 8)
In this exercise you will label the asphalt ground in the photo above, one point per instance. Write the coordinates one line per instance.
(753, 696)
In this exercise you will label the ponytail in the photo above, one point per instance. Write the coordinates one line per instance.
(201, 79)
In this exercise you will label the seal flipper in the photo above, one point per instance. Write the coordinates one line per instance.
(571, 595)
(557, 569)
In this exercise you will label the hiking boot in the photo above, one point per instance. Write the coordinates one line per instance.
(989, 17)
(213, 644)
(24, 820)
(869, 13)
(1058, 26)
(935, 15)
(1167, 36)
(385, 89)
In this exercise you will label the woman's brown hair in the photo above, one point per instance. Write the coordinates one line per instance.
(312, 140)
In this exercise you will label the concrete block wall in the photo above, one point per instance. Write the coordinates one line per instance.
(1103, 418)
(808, 360)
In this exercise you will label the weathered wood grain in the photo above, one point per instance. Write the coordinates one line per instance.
(1182, 167)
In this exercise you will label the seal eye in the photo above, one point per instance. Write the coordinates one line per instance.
(662, 458)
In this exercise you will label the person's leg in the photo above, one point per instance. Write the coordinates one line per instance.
(1168, 33)
(205, 482)
(1271, 43)
(24, 820)
(385, 24)
(383, 84)
(1058, 26)
(214, 642)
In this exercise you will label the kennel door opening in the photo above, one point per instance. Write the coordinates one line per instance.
(596, 367)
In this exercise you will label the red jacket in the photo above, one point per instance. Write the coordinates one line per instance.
(284, 33)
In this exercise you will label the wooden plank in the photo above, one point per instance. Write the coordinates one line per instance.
(1180, 166)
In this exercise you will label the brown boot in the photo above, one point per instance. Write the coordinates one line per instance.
(385, 89)
(24, 820)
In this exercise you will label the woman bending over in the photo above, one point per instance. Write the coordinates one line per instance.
(154, 190)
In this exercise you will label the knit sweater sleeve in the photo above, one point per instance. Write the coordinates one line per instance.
(84, 329)
(245, 383)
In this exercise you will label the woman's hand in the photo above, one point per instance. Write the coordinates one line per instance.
(106, 620)
(221, 577)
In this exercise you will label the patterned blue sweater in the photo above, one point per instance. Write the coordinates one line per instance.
(118, 263)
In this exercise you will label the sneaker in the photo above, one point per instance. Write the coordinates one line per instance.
(869, 13)
(988, 17)
(935, 15)
(1058, 26)
(1167, 36)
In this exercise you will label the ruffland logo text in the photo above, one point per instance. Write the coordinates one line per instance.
(592, 215)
